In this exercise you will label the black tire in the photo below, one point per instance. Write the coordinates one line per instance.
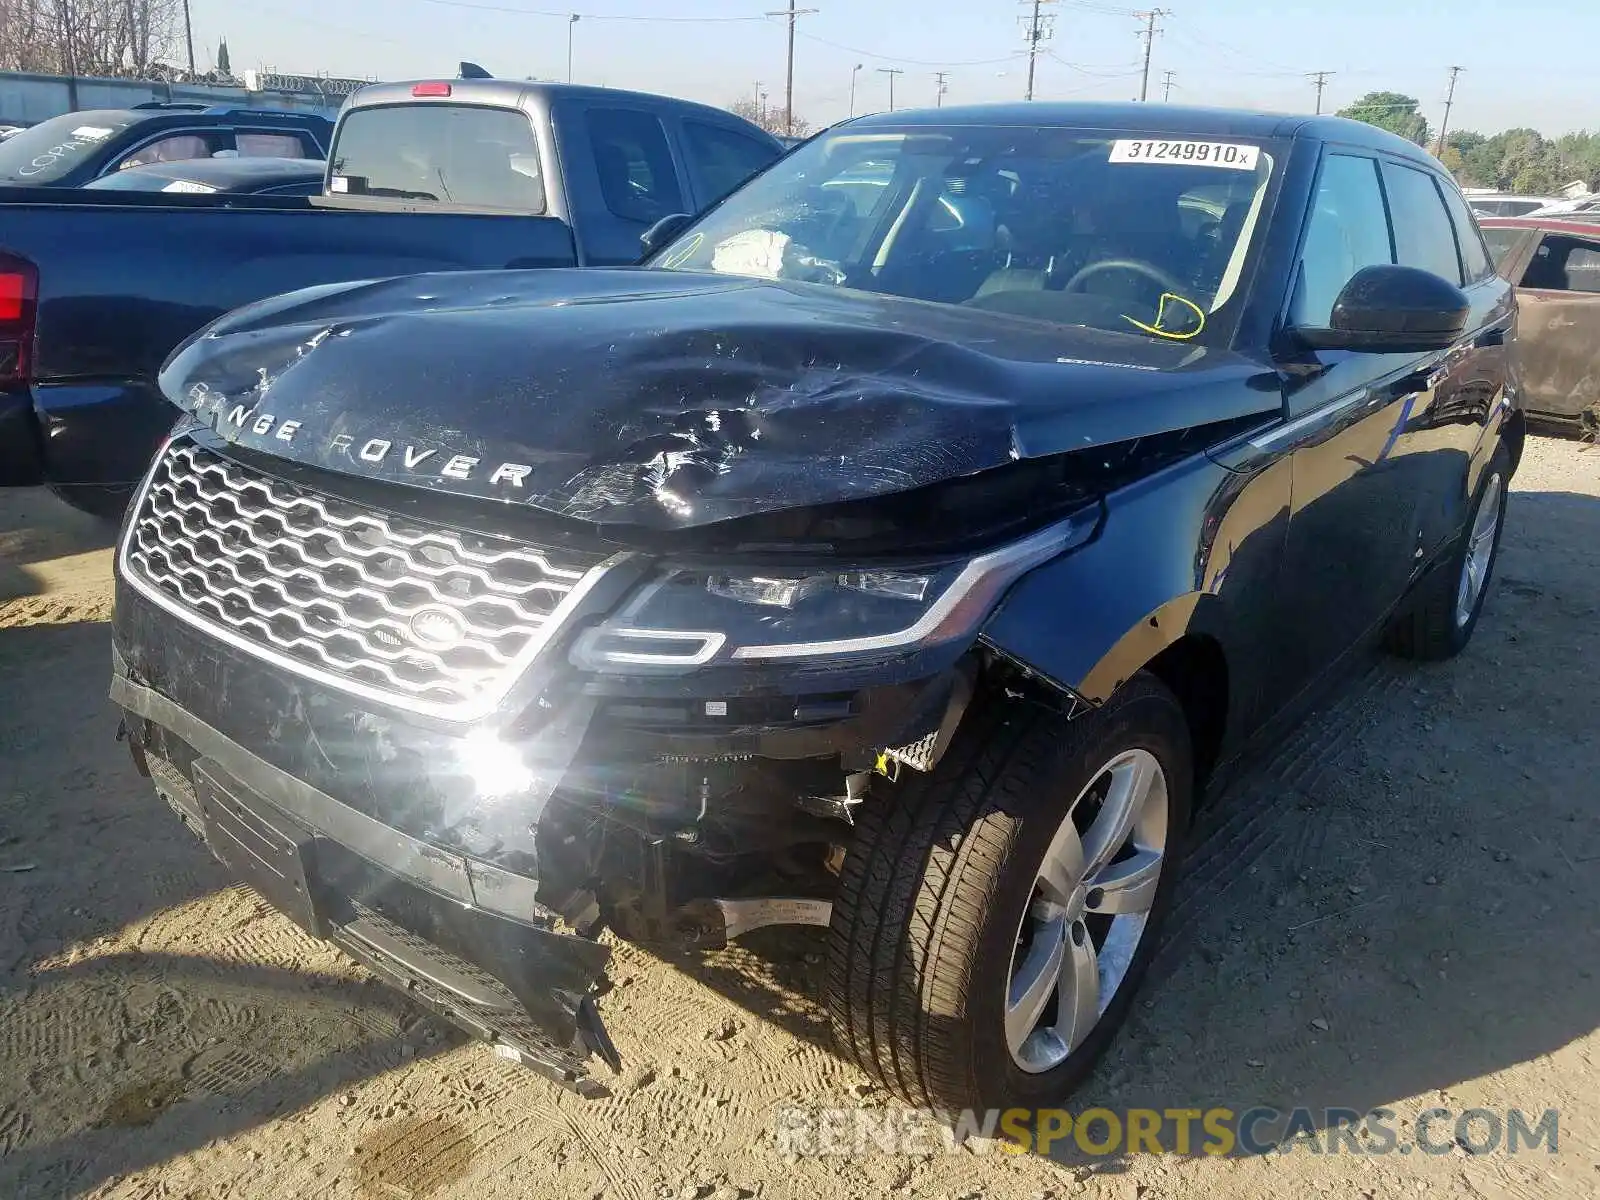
(107, 503)
(1430, 628)
(941, 873)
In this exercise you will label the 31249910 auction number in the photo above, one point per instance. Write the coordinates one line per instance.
(1233, 155)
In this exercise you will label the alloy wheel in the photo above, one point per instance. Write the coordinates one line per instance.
(1480, 552)
(1088, 913)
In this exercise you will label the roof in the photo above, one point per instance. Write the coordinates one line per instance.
(522, 93)
(1178, 120)
(1557, 224)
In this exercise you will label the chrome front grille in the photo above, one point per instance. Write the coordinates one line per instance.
(416, 614)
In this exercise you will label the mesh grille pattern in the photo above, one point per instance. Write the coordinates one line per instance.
(418, 611)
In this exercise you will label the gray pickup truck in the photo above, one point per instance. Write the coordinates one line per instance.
(436, 175)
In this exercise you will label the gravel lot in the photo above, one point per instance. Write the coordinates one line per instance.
(1401, 909)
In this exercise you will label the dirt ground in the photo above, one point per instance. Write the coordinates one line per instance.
(1401, 909)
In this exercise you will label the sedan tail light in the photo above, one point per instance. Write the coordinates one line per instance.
(19, 296)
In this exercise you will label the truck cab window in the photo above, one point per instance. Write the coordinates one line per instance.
(637, 178)
(725, 159)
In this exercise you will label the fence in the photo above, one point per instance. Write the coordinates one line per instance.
(26, 99)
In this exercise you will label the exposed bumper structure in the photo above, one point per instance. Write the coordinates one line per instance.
(408, 910)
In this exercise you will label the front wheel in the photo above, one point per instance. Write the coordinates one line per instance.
(994, 917)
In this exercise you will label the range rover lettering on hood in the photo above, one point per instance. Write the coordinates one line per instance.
(671, 400)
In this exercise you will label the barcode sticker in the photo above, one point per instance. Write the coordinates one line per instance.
(1233, 155)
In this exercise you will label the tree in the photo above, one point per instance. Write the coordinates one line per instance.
(224, 67)
(771, 119)
(87, 37)
(1392, 111)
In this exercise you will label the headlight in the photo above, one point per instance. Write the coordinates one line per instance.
(689, 617)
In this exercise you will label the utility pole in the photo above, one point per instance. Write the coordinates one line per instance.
(891, 72)
(188, 36)
(941, 89)
(1319, 80)
(1149, 36)
(793, 14)
(572, 19)
(854, 71)
(1166, 86)
(1037, 28)
(1450, 99)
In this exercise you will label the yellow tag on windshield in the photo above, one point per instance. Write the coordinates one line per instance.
(1161, 317)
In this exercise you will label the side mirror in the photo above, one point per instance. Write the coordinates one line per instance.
(1390, 309)
(663, 231)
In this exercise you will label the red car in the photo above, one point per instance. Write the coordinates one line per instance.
(1555, 265)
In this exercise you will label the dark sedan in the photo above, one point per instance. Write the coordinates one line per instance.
(906, 548)
(230, 176)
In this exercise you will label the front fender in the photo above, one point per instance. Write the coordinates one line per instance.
(1193, 549)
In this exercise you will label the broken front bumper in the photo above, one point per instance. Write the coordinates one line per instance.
(405, 909)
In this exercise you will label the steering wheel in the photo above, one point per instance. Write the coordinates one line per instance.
(1133, 266)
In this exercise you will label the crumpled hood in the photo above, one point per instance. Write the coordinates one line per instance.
(669, 400)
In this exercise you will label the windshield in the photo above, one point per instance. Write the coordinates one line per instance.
(55, 147)
(451, 153)
(1115, 231)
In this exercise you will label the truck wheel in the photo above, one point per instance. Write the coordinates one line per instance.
(994, 917)
(1442, 613)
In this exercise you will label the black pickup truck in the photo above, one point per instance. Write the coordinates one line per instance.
(97, 288)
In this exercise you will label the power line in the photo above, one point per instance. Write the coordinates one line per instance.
(1038, 27)
(891, 72)
(793, 14)
(540, 12)
(1450, 99)
(915, 62)
(1149, 36)
(1319, 80)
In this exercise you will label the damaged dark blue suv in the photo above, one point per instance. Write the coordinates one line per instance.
(900, 550)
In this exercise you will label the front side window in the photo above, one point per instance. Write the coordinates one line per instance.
(1138, 234)
(637, 177)
(1564, 264)
(1423, 235)
(450, 153)
(1348, 231)
(180, 147)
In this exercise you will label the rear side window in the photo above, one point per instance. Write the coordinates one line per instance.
(1423, 235)
(450, 153)
(725, 159)
(637, 178)
(1475, 261)
(253, 144)
(1348, 230)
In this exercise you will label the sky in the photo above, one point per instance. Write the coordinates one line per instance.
(1222, 52)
